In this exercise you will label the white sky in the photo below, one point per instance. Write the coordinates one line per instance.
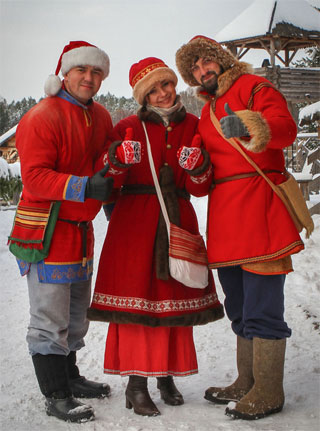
(34, 32)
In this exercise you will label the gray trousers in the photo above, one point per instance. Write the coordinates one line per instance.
(58, 315)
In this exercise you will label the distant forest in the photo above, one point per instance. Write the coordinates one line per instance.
(119, 108)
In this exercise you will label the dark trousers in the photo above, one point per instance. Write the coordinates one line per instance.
(254, 303)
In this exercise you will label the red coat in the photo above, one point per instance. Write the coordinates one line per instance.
(247, 222)
(59, 143)
(127, 289)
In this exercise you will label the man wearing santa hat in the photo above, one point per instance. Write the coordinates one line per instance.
(60, 141)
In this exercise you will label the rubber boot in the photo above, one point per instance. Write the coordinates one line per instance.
(168, 391)
(243, 383)
(138, 397)
(80, 386)
(52, 375)
(266, 396)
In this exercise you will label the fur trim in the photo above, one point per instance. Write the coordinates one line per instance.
(193, 319)
(201, 47)
(258, 128)
(145, 84)
(168, 189)
(85, 55)
(226, 79)
(145, 115)
(52, 85)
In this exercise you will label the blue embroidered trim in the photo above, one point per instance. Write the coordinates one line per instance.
(24, 266)
(66, 96)
(64, 273)
(76, 189)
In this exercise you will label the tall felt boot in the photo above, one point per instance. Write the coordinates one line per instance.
(243, 383)
(80, 386)
(52, 375)
(168, 391)
(266, 396)
(138, 397)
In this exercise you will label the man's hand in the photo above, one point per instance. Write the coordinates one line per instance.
(129, 152)
(99, 187)
(190, 157)
(232, 126)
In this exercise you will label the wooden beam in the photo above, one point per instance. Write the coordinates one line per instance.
(244, 53)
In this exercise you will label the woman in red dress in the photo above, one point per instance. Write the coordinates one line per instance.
(151, 315)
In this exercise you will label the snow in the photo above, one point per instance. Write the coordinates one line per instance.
(22, 405)
(12, 168)
(309, 111)
(4, 168)
(257, 20)
(303, 176)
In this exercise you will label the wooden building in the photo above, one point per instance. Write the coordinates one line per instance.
(280, 28)
(8, 146)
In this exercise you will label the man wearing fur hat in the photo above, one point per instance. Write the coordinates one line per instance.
(250, 235)
(59, 142)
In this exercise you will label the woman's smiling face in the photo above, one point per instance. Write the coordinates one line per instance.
(162, 94)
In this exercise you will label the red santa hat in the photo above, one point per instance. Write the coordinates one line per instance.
(144, 74)
(76, 53)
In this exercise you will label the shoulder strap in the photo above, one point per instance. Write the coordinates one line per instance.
(155, 180)
(235, 145)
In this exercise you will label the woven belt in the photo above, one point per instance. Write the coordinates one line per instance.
(246, 175)
(141, 189)
(83, 225)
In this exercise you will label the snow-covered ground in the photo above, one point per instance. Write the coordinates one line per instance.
(22, 406)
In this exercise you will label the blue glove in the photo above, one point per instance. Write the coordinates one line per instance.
(231, 125)
(98, 187)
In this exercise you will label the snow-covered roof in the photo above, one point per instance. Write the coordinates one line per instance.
(8, 134)
(262, 16)
(310, 112)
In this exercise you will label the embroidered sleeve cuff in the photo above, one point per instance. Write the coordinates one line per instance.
(75, 188)
(204, 166)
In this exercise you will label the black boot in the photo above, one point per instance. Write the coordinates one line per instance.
(80, 386)
(51, 372)
(168, 391)
(138, 397)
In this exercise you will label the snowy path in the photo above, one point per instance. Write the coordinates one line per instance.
(21, 407)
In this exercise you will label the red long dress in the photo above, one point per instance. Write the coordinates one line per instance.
(150, 333)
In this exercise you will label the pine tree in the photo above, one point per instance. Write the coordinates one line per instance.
(311, 59)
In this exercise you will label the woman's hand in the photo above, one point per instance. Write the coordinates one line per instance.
(129, 152)
(191, 157)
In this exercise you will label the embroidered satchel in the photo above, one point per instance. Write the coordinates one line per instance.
(188, 261)
(32, 230)
(289, 191)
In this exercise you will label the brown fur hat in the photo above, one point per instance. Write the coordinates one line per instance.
(199, 47)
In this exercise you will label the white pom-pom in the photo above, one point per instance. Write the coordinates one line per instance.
(52, 85)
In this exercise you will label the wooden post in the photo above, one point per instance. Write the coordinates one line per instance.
(272, 52)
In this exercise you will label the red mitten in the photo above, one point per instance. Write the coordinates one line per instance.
(190, 157)
(129, 152)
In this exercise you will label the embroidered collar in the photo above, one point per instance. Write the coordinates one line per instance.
(63, 94)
